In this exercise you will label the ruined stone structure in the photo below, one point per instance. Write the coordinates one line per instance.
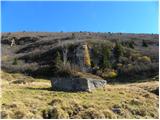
(76, 84)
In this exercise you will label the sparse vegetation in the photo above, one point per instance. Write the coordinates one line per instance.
(119, 58)
(35, 53)
(36, 100)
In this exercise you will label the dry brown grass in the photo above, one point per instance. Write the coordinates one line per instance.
(36, 100)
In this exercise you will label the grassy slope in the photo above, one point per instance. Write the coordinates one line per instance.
(34, 99)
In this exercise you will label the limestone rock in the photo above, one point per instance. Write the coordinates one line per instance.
(76, 84)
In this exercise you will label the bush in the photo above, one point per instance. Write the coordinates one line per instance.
(55, 113)
(15, 61)
(144, 59)
(109, 74)
(144, 44)
(57, 61)
(109, 114)
(67, 70)
(105, 58)
(91, 113)
(137, 72)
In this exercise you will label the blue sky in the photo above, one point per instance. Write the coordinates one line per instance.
(129, 17)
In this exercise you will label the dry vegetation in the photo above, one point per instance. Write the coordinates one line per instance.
(116, 57)
(27, 97)
(130, 57)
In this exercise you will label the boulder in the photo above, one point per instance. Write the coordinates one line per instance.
(76, 84)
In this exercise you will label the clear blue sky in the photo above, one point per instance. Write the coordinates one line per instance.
(131, 17)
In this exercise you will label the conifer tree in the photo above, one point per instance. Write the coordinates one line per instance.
(118, 51)
(105, 57)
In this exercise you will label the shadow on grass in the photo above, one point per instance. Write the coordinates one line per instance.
(55, 90)
(48, 89)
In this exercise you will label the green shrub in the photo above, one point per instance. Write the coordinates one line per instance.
(144, 44)
(105, 58)
(15, 62)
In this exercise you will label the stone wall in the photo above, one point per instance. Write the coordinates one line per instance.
(76, 84)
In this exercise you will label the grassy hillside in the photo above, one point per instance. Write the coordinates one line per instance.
(27, 97)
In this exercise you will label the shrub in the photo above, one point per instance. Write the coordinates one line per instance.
(119, 65)
(105, 58)
(91, 113)
(109, 74)
(144, 44)
(123, 60)
(55, 113)
(66, 70)
(109, 114)
(57, 61)
(138, 71)
(131, 44)
(144, 59)
(15, 61)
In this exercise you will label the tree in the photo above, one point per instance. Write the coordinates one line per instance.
(144, 44)
(65, 52)
(118, 51)
(87, 60)
(57, 61)
(15, 61)
(105, 57)
(131, 44)
(73, 36)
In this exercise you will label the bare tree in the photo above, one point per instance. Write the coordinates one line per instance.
(64, 51)
(13, 42)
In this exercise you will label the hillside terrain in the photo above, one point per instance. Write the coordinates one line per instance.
(128, 62)
(27, 97)
(126, 57)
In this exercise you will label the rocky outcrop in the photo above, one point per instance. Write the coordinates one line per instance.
(76, 84)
